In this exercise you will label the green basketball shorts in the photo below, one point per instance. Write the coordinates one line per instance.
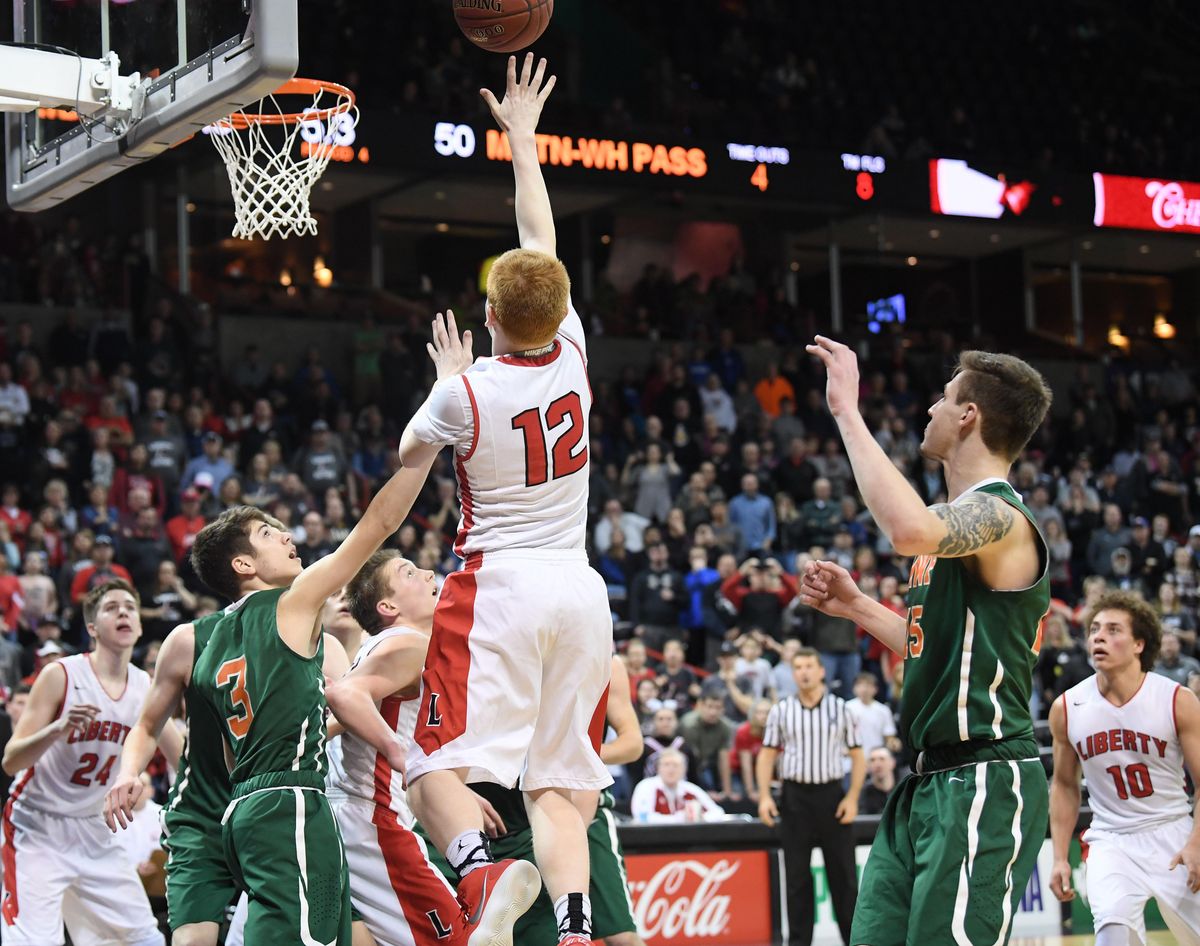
(200, 884)
(952, 856)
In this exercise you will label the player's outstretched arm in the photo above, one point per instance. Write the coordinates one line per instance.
(41, 726)
(627, 746)
(948, 531)
(300, 606)
(393, 666)
(1065, 797)
(1187, 722)
(442, 419)
(517, 115)
(829, 588)
(171, 675)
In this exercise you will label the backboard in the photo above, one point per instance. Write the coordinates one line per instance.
(199, 60)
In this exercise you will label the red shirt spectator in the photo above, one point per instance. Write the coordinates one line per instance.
(102, 569)
(744, 740)
(182, 529)
(11, 599)
(17, 519)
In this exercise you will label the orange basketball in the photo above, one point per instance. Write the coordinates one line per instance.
(503, 26)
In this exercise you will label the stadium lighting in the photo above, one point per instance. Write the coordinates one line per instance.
(1162, 328)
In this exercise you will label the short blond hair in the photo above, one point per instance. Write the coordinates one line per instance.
(529, 292)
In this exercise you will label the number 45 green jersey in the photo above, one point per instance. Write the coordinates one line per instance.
(968, 669)
(271, 700)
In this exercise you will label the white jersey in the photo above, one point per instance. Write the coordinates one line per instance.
(1132, 759)
(519, 426)
(364, 773)
(71, 777)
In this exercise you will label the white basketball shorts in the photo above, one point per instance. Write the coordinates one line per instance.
(1125, 870)
(516, 680)
(70, 870)
(402, 898)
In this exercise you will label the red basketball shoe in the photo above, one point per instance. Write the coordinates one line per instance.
(494, 898)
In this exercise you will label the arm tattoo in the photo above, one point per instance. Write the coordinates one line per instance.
(973, 524)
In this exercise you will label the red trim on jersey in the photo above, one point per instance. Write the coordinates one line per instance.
(1066, 721)
(419, 889)
(475, 419)
(467, 502)
(12, 907)
(62, 703)
(596, 726)
(448, 662)
(389, 709)
(124, 689)
(1131, 698)
(1175, 709)
(584, 360)
(537, 361)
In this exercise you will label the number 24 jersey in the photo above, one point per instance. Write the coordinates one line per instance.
(1132, 759)
(519, 428)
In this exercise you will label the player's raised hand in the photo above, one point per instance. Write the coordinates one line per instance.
(1060, 882)
(841, 370)
(829, 588)
(78, 717)
(120, 801)
(523, 98)
(451, 354)
(1189, 857)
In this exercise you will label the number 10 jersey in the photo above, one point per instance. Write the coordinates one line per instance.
(519, 428)
(1132, 759)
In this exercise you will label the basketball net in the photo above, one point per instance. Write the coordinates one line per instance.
(274, 157)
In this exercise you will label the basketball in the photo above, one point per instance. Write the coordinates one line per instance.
(503, 26)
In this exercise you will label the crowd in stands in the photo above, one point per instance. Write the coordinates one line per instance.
(711, 487)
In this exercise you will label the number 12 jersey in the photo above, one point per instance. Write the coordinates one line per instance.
(519, 428)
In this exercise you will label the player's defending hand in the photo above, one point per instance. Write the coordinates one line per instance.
(841, 369)
(493, 824)
(120, 801)
(77, 718)
(451, 355)
(523, 100)
(1189, 857)
(767, 810)
(1060, 882)
(829, 588)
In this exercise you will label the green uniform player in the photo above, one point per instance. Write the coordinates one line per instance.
(278, 832)
(959, 838)
(200, 885)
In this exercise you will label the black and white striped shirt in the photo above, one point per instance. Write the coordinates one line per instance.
(812, 741)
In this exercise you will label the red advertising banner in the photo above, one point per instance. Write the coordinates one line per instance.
(706, 897)
(1142, 203)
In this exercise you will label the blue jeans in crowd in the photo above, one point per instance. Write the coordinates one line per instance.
(840, 671)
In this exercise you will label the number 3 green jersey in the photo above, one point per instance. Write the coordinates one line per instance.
(968, 670)
(271, 700)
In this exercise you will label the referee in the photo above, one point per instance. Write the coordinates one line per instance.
(811, 734)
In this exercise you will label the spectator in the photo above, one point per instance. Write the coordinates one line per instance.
(772, 389)
(12, 515)
(876, 725)
(783, 681)
(38, 592)
(1149, 557)
(1061, 552)
(12, 600)
(821, 514)
(1062, 662)
(1183, 576)
(700, 617)
(656, 598)
(165, 451)
(676, 681)
(836, 639)
(754, 514)
(13, 398)
(881, 779)
(322, 464)
(101, 569)
(753, 668)
(210, 469)
(1176, 617)
(747, 742)
(663, 735)
(796, 474)
(646, 704)
(1111, 536)
(727, 686)
(758, 592)
(16, 698)
(650, 476)
(316, 544)
(630, 523)
(166, 603)
(144, 549)
(729, 537)
(635, 664)
(710, 735)
(718, 405)
(183, 528)
(1172, 663)
(669, 798)
(1122, 577)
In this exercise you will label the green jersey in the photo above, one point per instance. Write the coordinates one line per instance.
(270, 700)
(201, 789)
(968, 670)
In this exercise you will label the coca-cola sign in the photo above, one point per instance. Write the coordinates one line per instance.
(1141, 203)
(703, 897)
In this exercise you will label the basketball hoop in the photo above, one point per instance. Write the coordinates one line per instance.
(270, 176)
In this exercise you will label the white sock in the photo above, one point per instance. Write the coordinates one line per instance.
(468, 851)
(573, 912)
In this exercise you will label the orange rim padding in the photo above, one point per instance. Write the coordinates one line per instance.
(242, 120)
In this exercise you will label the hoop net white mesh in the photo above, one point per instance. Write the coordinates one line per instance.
(274, 157)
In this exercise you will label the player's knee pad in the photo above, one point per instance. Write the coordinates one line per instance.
(1117, 934)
